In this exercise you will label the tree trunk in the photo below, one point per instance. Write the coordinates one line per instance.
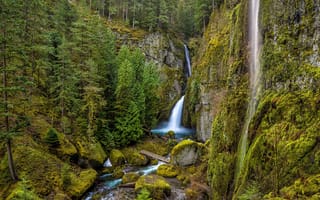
(6, 110)
(11, 163)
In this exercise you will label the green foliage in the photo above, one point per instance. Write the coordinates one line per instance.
(144, 194)
(52, 138)
(136, 96)
(66, 178)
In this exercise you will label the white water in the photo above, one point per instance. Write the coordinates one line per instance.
(254, 43)
(107, 163)
(187, 55)
(176, 115)
(174, 123)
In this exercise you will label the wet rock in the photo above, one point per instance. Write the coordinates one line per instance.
(187, 152)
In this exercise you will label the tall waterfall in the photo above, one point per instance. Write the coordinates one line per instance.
(187, 55)
(254, 43)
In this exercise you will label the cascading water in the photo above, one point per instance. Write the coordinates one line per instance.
(254, 39)
(176, 115)
(175, 118)
(174, 123)
(187, 55)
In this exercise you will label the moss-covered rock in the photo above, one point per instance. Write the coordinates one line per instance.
(91, 151)
(66, 148)
(22, 191)
(137, 159)
(117, 158)
(187, 152)
(154, 162)
(169, 171)
(130, 177)
(158, 187)
(81, 183)
(117, 173)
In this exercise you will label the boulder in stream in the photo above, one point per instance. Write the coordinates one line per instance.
(117, 158)
(130, 177)
(186, 152)
(158, 187)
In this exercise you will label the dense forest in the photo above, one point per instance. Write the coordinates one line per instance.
(85, 83)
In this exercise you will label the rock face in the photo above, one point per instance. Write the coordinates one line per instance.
(117, 158)
(187, 152)
(167, 52)
(158, 187)
(283, 142)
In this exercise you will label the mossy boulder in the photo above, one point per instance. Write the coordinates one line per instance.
(81, 183)
(117, 158)
(137, 159)
(166, 170)
(130, 177)
(22, 191)
(91, 151)
(66, 148)
(158, 187)
(186, 153)
(117, 173)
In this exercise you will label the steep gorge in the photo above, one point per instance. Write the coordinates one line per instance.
(283, 136)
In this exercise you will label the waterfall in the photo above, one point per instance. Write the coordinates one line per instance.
(254, 43)
(176, 115)
(174, 123)
(175, 118)
(187, 55)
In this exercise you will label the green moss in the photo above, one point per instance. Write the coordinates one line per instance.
(286, 146)
(154, 145)
(22, 191)
(181, 145)
(187, 152)
(302, 188)
(117, 173)
(137, 159)
(130, 177)
(117, 158)
(81, 183)
(169, 171)
(91, 150)
(66, 148)
(158, 187)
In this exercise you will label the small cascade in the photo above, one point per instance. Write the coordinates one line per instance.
(176, 115)
(107, 163)
(254, 42)
(174, 123)
(187, 55)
